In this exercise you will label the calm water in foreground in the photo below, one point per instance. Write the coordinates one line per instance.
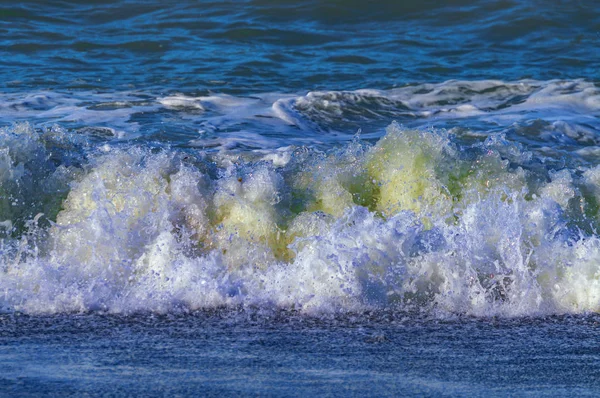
(232, 353)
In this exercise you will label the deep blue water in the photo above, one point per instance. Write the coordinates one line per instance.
(248, 47)
(292, 198)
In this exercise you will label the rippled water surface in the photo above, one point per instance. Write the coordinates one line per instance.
(288, 46)
(216, 354)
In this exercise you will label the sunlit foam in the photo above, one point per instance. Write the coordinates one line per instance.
(412, 222)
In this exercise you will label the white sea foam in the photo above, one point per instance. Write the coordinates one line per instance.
(407, 223)
(413, 221)
(109, 111)
(569, 110)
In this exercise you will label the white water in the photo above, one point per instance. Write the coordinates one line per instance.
(412, 222)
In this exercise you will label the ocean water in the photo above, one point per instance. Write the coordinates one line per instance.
(288, 198)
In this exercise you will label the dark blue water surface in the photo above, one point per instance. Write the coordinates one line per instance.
(290, 46)
(221, 93)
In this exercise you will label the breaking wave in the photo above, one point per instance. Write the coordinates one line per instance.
(417, 220)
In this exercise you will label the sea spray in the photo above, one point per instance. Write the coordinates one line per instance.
(415, 221)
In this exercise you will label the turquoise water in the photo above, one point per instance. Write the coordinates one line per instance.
(285, 198)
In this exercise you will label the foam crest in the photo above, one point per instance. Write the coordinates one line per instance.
(411, 222)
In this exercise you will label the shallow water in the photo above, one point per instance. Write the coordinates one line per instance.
(287, 354)
(281, 198)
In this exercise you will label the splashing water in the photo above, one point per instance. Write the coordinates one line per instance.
(414, 221)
